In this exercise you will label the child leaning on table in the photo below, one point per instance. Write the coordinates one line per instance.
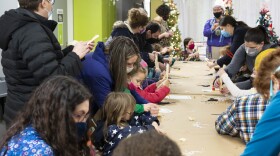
(119, 121)
(154, 93)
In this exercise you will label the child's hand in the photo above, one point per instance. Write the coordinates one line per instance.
(166, 83)
(162, 75)
(156, 126)
(159, 82)
(152, 57)
(154, 109)
(224, 90)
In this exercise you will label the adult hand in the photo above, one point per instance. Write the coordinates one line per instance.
(164, 50)
(82, 48)
(224, 90)
(215, 26)
(152, 57)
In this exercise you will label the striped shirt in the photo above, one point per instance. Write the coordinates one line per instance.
(242, 116)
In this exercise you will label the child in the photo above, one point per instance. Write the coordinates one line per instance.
(119, 122)
(154, 93)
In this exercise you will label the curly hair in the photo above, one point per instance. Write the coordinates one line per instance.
(137, 17)
(267, 67)
(150, 143)
(49, 111)
(163, 10)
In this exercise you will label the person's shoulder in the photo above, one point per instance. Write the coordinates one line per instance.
(29, 142)
(241, 29)
(249, 99)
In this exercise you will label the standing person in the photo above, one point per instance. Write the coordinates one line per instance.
(234, 29)
(32, 53)
(212, 31)
(105, 71)
(53, 121)
(135, 24)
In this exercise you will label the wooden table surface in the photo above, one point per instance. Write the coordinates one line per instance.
(192, 122)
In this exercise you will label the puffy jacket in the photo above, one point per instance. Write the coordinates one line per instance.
(30, 54)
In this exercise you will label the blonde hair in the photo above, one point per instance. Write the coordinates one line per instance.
(115, 106)
(140, 70)
(137, 17)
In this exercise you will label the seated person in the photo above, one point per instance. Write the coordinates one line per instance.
(265, 139)
(154, 93)
(189, 53)
(118, 121)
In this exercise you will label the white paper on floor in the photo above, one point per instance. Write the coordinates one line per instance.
(165, 110)
(179, 97)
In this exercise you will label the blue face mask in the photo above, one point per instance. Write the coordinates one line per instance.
(225, 33)
(81, 129)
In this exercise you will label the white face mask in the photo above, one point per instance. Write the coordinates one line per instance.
(49, 12)
(251, 51)
(129, 69)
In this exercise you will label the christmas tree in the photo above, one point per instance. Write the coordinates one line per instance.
(228, 7)
(266, 21)
(173, 25)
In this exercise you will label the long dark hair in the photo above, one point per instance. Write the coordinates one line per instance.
(257, 35)
(49, 112)
(231, 21)
(121, 49)
(186, 41)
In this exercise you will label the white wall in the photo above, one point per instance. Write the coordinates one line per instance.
(194, 14)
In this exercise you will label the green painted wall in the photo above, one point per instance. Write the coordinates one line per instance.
(154, 6)
(93, 17)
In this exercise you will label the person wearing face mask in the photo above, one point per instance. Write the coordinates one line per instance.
(31, 52)
(234, 29)
(213, 33)
(267, 133)
(135, 24)
(105, 70)
(189, 53)
(256, 42)
(53, 121)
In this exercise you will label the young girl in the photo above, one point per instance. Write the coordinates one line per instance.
(154, 93)
(119, 122)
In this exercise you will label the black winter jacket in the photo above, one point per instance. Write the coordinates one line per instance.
(30, 54)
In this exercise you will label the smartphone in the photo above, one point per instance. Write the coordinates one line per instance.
(93, 38)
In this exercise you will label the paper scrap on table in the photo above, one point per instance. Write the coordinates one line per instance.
(165, 110)
(191, 119)
(198, 125)
(183, 139)
(191, 153)
(179, 97)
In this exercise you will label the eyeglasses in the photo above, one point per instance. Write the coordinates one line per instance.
(81, 117)
(52, 1)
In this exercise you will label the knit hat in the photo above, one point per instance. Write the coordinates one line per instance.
(261, 56)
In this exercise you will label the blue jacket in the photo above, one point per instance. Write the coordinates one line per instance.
(27, 142)
(212, 38)
(97, 77)
(265, 141)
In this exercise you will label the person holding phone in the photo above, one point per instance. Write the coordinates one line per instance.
(31, 52)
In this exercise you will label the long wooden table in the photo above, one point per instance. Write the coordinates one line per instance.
(192, 122)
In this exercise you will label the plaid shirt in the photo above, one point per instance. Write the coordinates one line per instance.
(242, 116)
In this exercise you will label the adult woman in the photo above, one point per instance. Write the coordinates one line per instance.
(234, 29)
(135, 24)
(31, 52)
(106, 71)
(256, 41)
(267, 130)
(52, 121)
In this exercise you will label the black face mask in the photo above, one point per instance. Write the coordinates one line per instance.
(218, 14)
(165, 17)
(152, 40)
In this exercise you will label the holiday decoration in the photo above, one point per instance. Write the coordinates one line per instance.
(228, 7)
(266, 21)
(173, 26)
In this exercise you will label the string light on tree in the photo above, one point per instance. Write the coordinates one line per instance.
(173, 25)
